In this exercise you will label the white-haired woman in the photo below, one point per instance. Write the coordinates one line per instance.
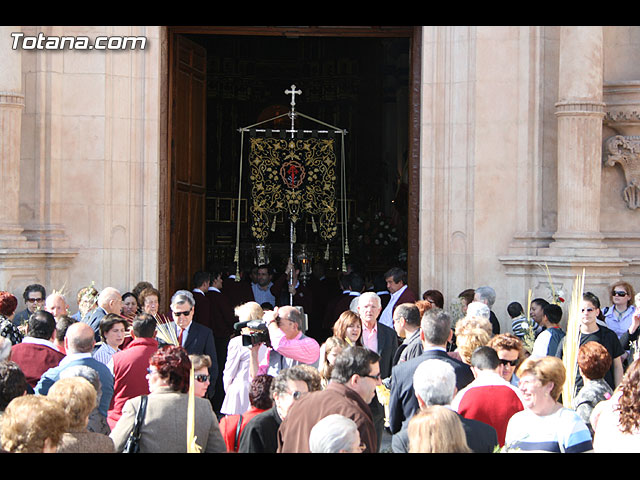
(335, 434)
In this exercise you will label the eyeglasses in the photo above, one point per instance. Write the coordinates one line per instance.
(177, 314)
(33, 300)
(202, 377)
(375, 377)
(619, 293)
(505, 362)
(296, 395)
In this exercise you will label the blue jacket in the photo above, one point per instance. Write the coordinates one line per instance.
(52, 375)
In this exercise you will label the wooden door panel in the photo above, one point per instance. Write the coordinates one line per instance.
(187, 164)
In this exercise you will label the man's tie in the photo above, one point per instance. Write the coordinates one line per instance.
(180, 337)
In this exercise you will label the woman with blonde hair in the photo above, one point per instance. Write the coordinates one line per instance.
(437, 429)
(471, 333)
(78, 398)
(32, 424)
(236, 376)
(545, 425)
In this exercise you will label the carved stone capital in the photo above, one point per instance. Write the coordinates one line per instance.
(11, 99)
(625, 151)
(580, 108)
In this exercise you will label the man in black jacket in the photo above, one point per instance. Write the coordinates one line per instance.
(435, 332)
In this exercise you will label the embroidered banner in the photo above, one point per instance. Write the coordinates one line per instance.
(295, 176)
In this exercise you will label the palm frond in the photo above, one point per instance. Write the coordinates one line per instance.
(572, 342)
(192, 446)
(166, 331)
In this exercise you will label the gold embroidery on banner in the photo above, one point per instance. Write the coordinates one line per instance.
(293, 176)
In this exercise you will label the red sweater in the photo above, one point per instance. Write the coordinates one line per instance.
(130, 375)
(229, 425)
(34, 359)
(490, 404)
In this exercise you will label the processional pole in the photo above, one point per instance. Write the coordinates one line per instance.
(292, 115)
(293, 92)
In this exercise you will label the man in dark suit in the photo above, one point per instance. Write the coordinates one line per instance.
(353, 285)
(201, 282)
(396, 280)
(406, 322)
(109, 301)
(380, 287)
(434, 383)
(221, 320)
(435, 332)
(196, 339)
(382, 340)
(323, 290)
(237, 290)
(34, 297)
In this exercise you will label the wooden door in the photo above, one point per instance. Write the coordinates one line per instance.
(187, 164)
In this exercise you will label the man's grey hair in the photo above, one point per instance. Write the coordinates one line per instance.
(183, 296)
(436, 326)
(280, 383)
(107, 295)
(487, 294)
(333, 434)
(362, 299)
(296, 316)
(434, 381)
(478, 309)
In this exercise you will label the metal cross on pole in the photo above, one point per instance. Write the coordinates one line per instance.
(293, 92)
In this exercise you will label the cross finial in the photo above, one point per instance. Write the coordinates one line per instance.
(293, 93)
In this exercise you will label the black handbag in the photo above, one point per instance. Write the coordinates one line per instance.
(133, 441)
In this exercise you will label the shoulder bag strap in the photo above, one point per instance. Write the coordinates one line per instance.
(235, 445)
(140, 417)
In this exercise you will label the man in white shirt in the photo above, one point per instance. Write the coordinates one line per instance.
(396, 279)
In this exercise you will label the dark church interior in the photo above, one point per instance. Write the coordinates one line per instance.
(359, 84)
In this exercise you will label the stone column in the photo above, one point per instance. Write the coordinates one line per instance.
(580, 112)
(11, 107)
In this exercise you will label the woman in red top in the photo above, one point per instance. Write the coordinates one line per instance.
(260, 399)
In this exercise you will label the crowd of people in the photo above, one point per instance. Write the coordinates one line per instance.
(281, 363)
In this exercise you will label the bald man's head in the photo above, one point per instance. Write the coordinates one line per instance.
(110, 300)
(56, 305)
(80, 338)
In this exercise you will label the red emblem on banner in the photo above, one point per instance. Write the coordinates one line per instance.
(292, 174)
